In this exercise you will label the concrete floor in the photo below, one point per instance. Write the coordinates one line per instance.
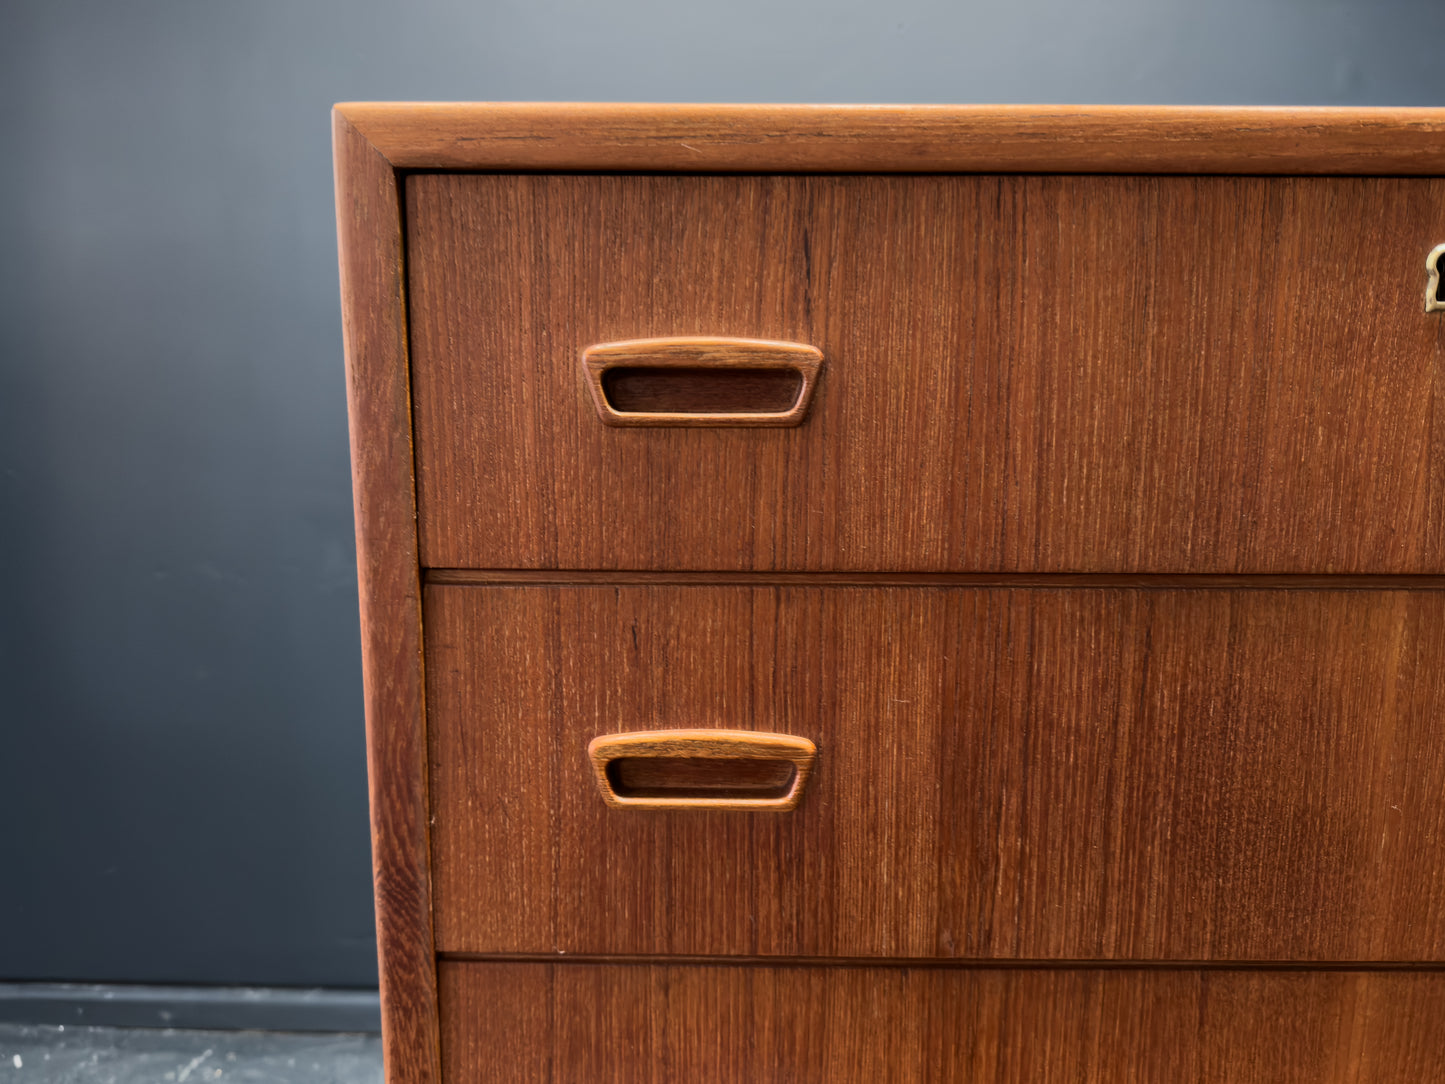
(79, 1055)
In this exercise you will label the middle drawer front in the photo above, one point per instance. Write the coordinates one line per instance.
(1072, 773)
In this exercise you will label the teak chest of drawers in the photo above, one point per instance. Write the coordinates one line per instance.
(866, 594)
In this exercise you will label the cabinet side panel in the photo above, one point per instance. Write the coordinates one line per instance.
(374, 328)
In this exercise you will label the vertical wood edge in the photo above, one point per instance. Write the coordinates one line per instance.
(374, 332)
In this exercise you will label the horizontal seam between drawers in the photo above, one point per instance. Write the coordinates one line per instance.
(946, 964)
(461, 577)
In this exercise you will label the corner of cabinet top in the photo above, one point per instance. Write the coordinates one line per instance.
(896, 138)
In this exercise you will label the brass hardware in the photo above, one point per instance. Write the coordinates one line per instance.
(1435, 284)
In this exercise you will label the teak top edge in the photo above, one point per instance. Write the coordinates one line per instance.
(903, 139)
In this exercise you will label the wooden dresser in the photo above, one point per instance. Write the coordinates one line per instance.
(901, 594)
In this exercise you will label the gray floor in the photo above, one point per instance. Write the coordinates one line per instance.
(78, 1055)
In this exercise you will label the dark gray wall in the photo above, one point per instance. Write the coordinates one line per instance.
(182, 794)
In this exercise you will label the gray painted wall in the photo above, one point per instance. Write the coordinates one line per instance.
(182, 792)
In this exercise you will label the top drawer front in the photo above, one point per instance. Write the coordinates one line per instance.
(1069, 373)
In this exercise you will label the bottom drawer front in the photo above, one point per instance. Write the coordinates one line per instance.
(1061, 774)
(638, 1022)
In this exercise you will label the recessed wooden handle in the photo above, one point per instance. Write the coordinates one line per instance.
(701, 769)
(701, 381)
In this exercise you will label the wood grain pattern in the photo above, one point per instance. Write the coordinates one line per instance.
(698, 744)
(374, 330)
(1031, 374)
(1001, 774)
(1035, 383)
(913, 139)
(540, 1022)
(704, 361)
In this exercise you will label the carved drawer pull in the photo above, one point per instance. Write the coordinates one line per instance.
(702, 381)
(701, 769)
